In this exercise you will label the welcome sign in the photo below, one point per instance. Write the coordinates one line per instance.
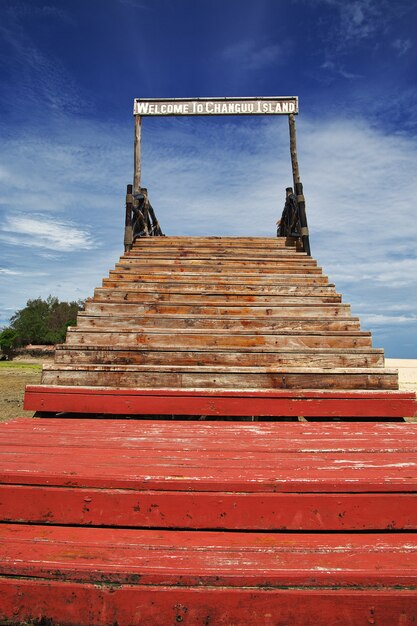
(279, 105)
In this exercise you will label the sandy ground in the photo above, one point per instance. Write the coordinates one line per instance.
(407, 372)
(14, 376)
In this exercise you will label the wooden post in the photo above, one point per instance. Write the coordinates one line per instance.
(303, 218)
(136, 162)
(128, 240)
(293, 151)
(298, 186)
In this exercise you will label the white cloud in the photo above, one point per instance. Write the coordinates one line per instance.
(44, 232)
(384, 320)
(7, 272)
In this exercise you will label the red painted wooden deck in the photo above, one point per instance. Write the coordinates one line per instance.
(106, 576)
(159, 522)
(200, 475)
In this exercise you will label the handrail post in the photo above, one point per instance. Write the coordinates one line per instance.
(136, 159)
(298, 186)
(303, 218)
(293, 151)
(128, 239)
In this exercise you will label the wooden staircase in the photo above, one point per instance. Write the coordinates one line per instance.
(157, 521)
(222, 313)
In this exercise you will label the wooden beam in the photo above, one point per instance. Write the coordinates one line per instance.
(293, 151)
(128, 238)
(291, 403)
(137, 147)
(83, 576)
(298, 187)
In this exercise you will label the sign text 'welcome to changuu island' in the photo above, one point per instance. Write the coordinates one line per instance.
(274, 105)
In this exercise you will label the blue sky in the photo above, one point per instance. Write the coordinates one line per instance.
(70, 69)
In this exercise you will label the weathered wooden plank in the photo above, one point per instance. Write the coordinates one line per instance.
(145, 435)
(83, 604)
(220, 260)
(212, 471)
(133, 283)
(295, 358)
(218, 267)
(212, 559)
(235, 278)
(201, 510)
(215, 252)
(267, 324)
(273, 242)
(215, 402)
(218, 340)
(293, 310)
(135, 295)
(219, 377)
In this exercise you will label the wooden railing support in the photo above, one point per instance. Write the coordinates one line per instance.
(136, 160)
(128, 239)
(298, 186)
(293, 151)
(140, 218)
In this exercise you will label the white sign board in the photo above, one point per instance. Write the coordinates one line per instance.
(217, 106)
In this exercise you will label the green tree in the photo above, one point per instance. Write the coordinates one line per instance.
(44, 321)
(8, 340)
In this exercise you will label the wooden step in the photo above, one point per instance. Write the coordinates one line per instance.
(135, 295)
(215, 403)
(273, 242)
(189, 277)
(219, 340)
(257, 260)
(222, 377)
(218, 267)
(216, 252)
(320, 357)
(133, 283)
(232, 323)
(161, 308)
(231, 437)
(172, 474)
(83, 576)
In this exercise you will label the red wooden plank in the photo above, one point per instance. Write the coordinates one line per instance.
(217, 559)
(202, 510)
(217, 402)
(75, 604)
(166, 435)
(244, 471)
